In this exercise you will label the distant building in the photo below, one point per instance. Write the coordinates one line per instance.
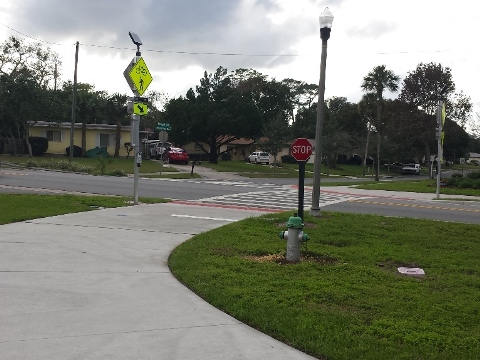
(97, 135)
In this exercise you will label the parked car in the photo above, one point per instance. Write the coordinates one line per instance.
(154, 149)
(395, 166)
(177, 155)
(409, 169)
(473, 162)
(259, 157)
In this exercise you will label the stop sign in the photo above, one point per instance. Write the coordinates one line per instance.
(301, 149)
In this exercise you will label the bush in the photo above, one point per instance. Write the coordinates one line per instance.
(117, 172)
(474, 175)
(288, 159)
(39, 145)
(469, 181)
(226, 156)
(468, 184)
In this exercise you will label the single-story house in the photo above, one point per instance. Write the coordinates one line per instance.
(474, 156)
(97, 135)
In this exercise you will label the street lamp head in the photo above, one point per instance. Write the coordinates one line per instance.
(326, 19)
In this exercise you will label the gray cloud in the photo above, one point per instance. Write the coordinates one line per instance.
(169, 27)
(373, 29)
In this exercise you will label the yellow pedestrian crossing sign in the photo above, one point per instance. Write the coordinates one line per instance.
(139, 77)
(140, 108)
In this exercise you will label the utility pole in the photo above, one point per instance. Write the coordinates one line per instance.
(74, 97)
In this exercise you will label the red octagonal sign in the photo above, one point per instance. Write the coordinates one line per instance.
(301, 149)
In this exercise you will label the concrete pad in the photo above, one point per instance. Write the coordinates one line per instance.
(96, 285)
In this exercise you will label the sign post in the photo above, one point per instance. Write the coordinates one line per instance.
(440, 135)
(138, 78)
(301, 150)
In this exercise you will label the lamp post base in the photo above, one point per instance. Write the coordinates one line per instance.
(314, 211)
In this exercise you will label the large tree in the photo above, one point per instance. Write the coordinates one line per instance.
(216, 113)
(424, 88)
(27, 75)
(377, 80)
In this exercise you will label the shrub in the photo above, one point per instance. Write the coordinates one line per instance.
(288, 159)
(39, 145)
(226, 156)
(474, 175)
(469, 184)
(117, 172)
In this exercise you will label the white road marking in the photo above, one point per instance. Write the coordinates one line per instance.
(202, 217)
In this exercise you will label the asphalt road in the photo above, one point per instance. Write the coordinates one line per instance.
(40, 181)
(232, 192)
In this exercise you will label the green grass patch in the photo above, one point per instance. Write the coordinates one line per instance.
(251, 170)
(101, 166)
(21, 207)
(345, 300)
(420, 186)
(288, 170)
(171, 175)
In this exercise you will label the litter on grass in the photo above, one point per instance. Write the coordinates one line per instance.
(411, 271)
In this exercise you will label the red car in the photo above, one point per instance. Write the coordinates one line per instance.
(177, 155)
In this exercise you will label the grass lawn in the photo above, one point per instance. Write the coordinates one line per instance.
(345, 300)
(21, 207)
(283, 170)
(97, 165)
(420, 186)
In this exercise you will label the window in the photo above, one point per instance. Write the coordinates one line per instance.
(107, 140)
(54, 135)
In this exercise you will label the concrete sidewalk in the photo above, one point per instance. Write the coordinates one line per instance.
(96, 285)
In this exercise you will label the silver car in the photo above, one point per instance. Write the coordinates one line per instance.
(259, 157)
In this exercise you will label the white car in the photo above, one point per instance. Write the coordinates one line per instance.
(259, 157)
(411, 169)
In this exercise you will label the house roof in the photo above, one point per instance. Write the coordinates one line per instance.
(67, 125)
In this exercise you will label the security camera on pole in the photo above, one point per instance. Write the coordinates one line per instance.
(138, 78)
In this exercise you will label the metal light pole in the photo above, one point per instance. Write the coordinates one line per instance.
(439, 147)
(326, 20)
(135, 129)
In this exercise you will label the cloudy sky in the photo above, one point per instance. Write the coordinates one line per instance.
(280, 38)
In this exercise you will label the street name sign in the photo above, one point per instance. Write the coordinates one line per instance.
(163, 127)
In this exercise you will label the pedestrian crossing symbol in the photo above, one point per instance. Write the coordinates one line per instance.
(140, 76)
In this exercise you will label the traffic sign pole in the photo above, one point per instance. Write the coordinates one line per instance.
(301, 188)
(136, 147)
(138, 78)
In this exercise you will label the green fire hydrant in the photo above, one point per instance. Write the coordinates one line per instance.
(294, 236)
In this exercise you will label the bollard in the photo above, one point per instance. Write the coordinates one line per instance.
(294, 236)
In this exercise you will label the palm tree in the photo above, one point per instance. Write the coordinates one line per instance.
(378, 80)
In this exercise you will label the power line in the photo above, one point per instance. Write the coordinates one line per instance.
(155, 50)
(214, 53)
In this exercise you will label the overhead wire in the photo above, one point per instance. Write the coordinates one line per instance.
(207, 53)
(154, 50)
